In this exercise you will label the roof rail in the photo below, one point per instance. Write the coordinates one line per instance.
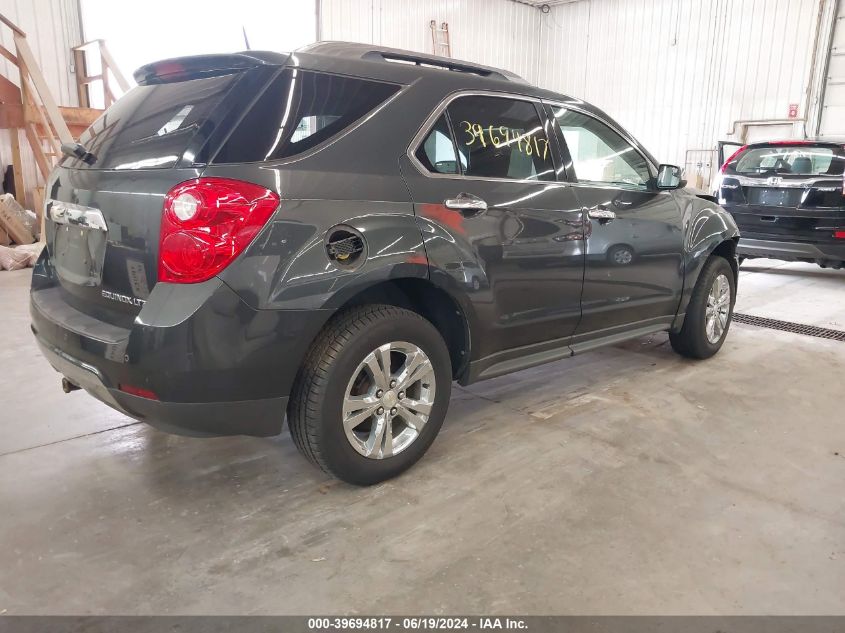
(384, 54)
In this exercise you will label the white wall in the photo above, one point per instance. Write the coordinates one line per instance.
(493, 32)
(675, 73)
(138, 33)
(832, 113)
(52, 29)
(679, 73)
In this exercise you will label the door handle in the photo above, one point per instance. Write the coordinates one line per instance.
(603, 215)
(466, 202)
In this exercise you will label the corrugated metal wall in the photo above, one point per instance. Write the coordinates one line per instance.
(832, 121)
(679, 73)
(676, 73)
(493, 32)
(52, 28)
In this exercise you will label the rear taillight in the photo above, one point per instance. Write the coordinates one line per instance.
(208, 222)
(839, 235)
(733, 157)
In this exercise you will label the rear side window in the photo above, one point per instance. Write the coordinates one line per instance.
(798, 160)
(151, 126)
(500, 138)
(298, 111)
(437, 152)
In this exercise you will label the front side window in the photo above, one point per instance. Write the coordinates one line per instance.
(500, 138)
(599, 154)
(299, 110)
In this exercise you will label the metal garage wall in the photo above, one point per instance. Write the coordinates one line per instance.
(52, 28)
(498, 33)
(679, 74)
(832, 113)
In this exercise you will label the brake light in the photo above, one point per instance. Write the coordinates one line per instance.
(206, 223)
(839, 235)
(733, 157)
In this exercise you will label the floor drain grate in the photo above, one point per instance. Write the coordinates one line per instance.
(788, 326)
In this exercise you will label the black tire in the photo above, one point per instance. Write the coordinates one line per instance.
(620, 255)
(692, 340)
(315, 409)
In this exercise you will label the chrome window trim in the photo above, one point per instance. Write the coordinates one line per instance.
(428, 124)
(652, 167)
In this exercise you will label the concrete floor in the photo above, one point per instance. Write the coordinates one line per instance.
(623, 481)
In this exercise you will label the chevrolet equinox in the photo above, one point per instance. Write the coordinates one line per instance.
(336, 235)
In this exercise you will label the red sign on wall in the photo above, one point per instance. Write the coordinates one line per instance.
(793, 110)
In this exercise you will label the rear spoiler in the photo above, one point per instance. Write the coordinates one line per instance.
(197, 66)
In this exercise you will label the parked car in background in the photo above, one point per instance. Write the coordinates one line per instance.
(787, 200)
(337, 235)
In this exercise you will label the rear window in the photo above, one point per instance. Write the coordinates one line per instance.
(500, 138)
(298, 111)
(798, 160)
(151, 126)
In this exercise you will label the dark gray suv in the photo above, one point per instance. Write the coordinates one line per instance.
(338, 234)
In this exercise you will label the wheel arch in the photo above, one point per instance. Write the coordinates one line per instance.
(432, 302)
(725, 247)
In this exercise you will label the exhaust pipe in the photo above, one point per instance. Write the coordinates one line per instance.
(68, 386)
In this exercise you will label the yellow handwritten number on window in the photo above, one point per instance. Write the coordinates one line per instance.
(501, 136)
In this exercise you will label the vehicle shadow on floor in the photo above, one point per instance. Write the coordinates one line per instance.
(181, 467)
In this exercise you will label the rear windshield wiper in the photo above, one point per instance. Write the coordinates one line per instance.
(78, 150)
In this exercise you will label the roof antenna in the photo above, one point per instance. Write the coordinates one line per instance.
(246, 39)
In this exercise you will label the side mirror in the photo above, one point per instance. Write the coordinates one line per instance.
(669, 177)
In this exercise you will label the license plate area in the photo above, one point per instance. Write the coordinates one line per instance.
(79, 242)
(771, 197)
(78, 254)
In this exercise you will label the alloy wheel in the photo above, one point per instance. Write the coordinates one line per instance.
(718, 309)
(388, 400)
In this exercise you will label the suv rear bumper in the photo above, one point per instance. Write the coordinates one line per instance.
(216, 365)
(792, 251)
(197, 419)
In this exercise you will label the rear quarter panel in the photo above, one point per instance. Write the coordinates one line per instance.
(286, 272)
